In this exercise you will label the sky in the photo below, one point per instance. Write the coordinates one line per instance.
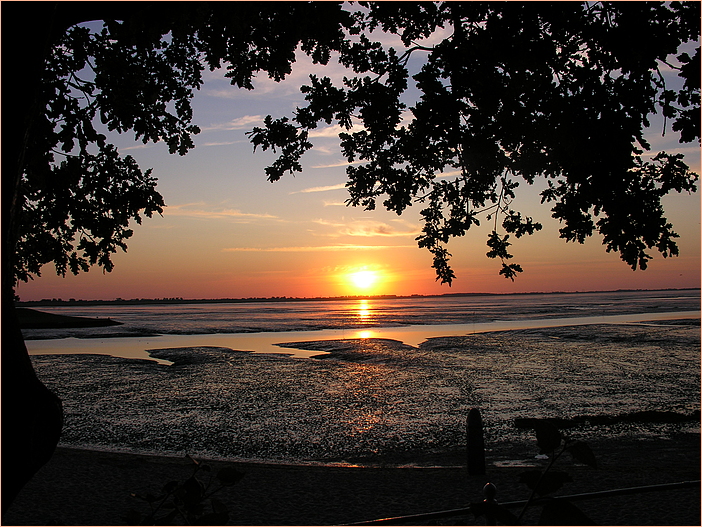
(229, 233)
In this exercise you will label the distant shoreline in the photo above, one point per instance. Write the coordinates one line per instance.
(179, 300)
(32, 319)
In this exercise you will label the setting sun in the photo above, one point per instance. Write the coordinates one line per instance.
(364, 279)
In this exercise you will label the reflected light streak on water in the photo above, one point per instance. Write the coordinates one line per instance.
(363, 311)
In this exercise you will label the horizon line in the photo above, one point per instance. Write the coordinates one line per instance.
(337, 297)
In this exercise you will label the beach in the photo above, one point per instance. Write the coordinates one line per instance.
(375, 428)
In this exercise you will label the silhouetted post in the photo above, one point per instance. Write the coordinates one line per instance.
(476, 444)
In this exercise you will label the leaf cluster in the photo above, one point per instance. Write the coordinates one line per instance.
(555, 511)
(521, 91)
(542, 483)
(186, 502)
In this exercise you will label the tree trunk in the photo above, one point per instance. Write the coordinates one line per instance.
(32, 416)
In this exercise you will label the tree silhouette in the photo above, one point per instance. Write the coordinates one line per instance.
(516, 91)
(561, 91)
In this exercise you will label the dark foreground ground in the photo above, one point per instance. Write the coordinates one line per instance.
(83, 487)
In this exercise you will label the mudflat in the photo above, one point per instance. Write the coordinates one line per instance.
(397, 412)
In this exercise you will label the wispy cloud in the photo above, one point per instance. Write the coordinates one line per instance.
(323, 248)
(375, 228)
(223, 143)
(201, 210)
(452, 173)
(137, 147)
(290, 87)
(320, 189)
(240, 123)
(326, 149)
(334, 203)
(328, 223)
(338, 164)
(334, 131)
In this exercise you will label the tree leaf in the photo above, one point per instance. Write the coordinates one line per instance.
(170, 486)
(192, 491)
(582, 453)
(548, 437)
(218, 506)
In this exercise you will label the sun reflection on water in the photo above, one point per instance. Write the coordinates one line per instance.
(363, 310)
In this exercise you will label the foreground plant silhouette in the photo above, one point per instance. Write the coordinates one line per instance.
(186, 502)
(556, 511)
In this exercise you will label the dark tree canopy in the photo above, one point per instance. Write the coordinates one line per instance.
(516, 91)
(76, 194)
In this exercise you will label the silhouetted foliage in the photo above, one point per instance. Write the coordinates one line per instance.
(542, 483)
(186, 502)
(515, 91)
(77, 194)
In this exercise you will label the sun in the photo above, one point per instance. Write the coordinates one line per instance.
(363, 279)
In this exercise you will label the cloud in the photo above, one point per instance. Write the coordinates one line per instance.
(223, 143)
(320, 189)
(240, 123)
(334, 203)
(374, 228)
(203, 211)
(334, 131)
(452, 173)
(137, 147)
(339, 164)
(327, 149)
(289, 87)
(323, 248)
(321, 221)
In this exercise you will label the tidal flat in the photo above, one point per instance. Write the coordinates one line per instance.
(378, 402)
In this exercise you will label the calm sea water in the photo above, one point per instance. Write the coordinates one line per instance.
(382, 399)
(184, 319)
(260, 326)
